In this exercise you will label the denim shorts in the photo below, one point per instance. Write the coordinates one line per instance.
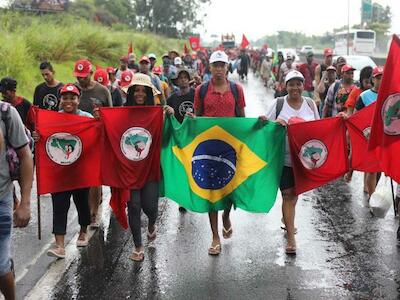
(6, 213)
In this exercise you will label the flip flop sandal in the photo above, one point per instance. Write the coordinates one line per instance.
(137, 256)
(214, 250)
(227, 233)
(152, 236)
(290, 250)
(284, 228)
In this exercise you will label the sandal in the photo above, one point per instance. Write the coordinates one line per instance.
(227, 233)
(283, 227)
(290, 250)
(137, 256)
(152, 236)
(57, 252)
(214, 250)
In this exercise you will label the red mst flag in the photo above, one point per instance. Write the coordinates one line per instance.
(68, 152)
(131, 148)
(244, 42)
(194, 42)
(359, 128)
(130, 48)
(318, 156)
(185, 49)
(385, 130)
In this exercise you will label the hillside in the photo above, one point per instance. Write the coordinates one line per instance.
(27, 40)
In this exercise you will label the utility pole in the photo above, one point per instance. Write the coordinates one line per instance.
(348, 25)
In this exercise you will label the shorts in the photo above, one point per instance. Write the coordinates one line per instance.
(287, 178)
(6, 212)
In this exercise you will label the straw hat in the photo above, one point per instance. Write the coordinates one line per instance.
(144, 80)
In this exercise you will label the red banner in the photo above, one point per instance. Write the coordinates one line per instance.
(385, 130)
(67, 153)
(244, 42)
(194, 42)
(359, 128)
(318, 156)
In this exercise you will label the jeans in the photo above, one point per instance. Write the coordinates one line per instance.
(6, 217)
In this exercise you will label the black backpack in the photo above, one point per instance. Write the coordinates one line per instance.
(234, 90)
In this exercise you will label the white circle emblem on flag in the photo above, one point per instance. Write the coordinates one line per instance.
(64, 148)
(313, 154)
(391, 115)
(367, 132)
(135, 143)
(194, 45)
(80, 67)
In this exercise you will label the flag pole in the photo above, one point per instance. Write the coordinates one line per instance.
(39, 218)
(393, 198)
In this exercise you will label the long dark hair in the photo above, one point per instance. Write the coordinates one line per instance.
(130, 98)
(365, 72)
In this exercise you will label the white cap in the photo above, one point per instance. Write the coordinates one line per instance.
(219, 56)
(177, 61)
(152, 55)
(294, 74)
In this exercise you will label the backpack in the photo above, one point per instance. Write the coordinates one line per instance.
(11, 153)
(234, 90)
(281, 100)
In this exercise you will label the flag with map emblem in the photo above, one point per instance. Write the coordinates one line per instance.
(208, 163)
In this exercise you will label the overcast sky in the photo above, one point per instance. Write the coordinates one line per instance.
(257, 18)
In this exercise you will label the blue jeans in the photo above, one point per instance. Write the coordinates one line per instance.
(6, 214)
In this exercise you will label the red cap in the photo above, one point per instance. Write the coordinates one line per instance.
(82, 68)
(124, 59)
(347, 68)
(157, 70)
(101, 76)
(144, 59)
(126, 78)
(377, 71)
(70, 88)
(110, 70)
(328, 52)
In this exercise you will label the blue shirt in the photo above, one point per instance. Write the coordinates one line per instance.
(366, 98)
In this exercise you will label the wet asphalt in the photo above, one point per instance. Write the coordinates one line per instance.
(343, 252)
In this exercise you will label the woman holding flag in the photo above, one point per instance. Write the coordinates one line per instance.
(292, 108)
(141, 92)
(69, 101)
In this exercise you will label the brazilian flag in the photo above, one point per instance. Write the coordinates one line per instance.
(208, 163)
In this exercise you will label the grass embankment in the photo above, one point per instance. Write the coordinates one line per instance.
(25, 41)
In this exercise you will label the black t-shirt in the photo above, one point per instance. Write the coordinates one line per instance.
(47, 97)
(182, 104)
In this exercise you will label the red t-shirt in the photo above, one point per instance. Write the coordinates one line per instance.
(353, 97)
(218, 104)
(308, 72)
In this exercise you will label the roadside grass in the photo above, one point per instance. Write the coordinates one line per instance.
(27, 40)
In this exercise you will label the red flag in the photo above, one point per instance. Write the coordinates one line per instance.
(185, 49)
(194, 42)
(130, 48)
(68, 152)
(359, 128)
(385, 130)
(132, 146)
(244, 42)
(318, 156)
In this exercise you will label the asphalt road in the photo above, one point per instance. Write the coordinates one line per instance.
(343, 252)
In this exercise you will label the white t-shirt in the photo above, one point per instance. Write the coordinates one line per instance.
(305, 112)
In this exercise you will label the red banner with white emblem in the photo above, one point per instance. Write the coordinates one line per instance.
(359, 129)
(385, 130)
(67, 153)
(319, 152)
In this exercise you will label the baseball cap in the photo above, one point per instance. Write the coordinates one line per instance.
(126, 78)
(309, 53)
(70, 88)
(8, 84)
(101, 76)
(144, 59)
(340, 60)
(219, 56)
(124, 59)
(82, 68)
(294, 74)
(328, 52)
(331, 68)
(177, 61)
(377, 71)
(152, 55)
(347, 68)
(157, 70)
(131, 57)
(110, 70)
